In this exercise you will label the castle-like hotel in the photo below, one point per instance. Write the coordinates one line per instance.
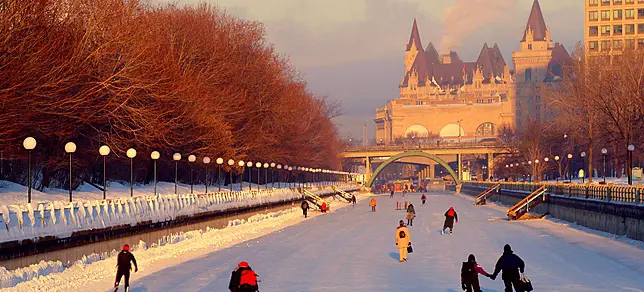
(442, 95)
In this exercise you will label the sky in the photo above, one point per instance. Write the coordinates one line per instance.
(353, 50)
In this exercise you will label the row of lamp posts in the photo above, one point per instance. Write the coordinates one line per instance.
(30, 144)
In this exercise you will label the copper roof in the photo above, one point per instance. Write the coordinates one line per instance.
(414, 38)
(536, 23)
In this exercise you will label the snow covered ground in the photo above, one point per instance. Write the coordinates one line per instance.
(352, 249)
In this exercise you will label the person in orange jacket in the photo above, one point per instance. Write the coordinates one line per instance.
(372, 203)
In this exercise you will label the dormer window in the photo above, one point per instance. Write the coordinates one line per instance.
(529, 46)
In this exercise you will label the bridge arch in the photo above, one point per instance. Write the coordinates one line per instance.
(412, 154)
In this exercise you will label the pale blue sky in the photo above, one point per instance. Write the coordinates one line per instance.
(352, 50)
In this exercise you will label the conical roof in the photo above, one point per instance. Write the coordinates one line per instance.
(536, 23)
(414, 38)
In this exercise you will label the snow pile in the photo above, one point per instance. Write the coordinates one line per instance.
(60, 219)
(53, 276)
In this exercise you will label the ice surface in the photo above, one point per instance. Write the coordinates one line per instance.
(352, 249)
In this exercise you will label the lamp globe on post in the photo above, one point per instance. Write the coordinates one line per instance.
(241, 164)
(266, 175)
(104, 151)
(131, 153)
(29, 144)
(604, 153)
(155, 155)
(272, 174)
(176, 157)
(206, 161)
(569, 170)
(231, 163)
(279, 176)
(583, 165)
(629, 161)
(70, 148)
(290, 174)
(191, 159)
(249, 165)
(219, 161)
(258, 165)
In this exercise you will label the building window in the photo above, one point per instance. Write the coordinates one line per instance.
(617, 2)
(605, 45)
(630, 44)
(528, 75)
(640, 28)
(592, 45)
(605, 14)
(593, 2)
(640, 13)
(594, 31)
(640, 44)
(629, 13)
(617, 29)
(617, 14)
(594, 15)
(629, 1)
(617, 44)
(605, 2)
(605, 30)
(529, 46)
(629, 28)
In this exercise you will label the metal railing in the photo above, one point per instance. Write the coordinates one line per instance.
(429, 146)
(609, 193)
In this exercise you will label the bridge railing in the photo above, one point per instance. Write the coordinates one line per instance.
(451, 145)
(615, 193)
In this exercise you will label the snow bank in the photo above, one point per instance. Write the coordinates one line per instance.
(62, 219)
(54, 276)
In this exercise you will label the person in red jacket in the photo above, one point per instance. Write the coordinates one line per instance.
(470, 275)
(243, 279)
(450, 217)
(324, 208)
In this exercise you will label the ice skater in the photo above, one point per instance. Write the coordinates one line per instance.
(512, 267)
(402, 240)
(450, 217)
(470, 275)
(411, 214)
(423, 198)
(123, 267)
(243, 279)
(353, 199)
(391, 194)
(305, 208)
(372, 203)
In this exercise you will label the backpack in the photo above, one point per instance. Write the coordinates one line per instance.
(467, 271)
(450, 213)
(402, 234)
(248, 277)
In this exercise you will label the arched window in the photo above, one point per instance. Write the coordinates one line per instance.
(452, 130)
(486, 130)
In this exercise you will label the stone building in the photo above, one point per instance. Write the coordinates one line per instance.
(444, 96)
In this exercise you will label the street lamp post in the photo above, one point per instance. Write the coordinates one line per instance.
(569, 169)
(155, 155)
(176, 157)
(241, 179)
(629, 163)
(29, 143)
(279, 172)
(249, 165)
(104, 151)
(231, 163)
(219, 161)
(265, 175)
(131, 153)
(583, 164)
(546, 161)
(206, 161)
(290, 174)
(604, 153)
(258, 165)
(558, 167)
(459, 130)
(537, 175)
(272, 175)
(70, 148)
(191, 159)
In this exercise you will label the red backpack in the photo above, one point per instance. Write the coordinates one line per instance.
(450, 213)
(248, 277)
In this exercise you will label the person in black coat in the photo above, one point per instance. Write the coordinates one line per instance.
(305, 208)
(243, 279)
(512, 268)
(450, 216)
(353, 199)
(123, 267)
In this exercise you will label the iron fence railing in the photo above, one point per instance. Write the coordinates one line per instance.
(612, 193)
